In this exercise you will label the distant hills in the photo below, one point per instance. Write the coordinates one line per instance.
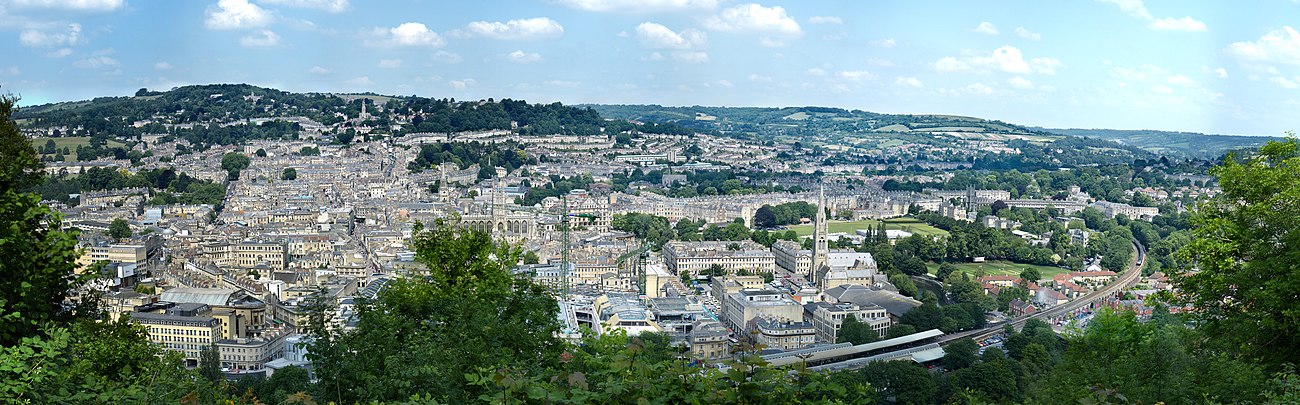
(1173, 144)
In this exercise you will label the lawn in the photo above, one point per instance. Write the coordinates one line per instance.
(71, 142)
(905, 224)
(993, 268)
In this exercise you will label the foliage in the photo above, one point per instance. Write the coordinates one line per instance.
(651, 228)
(1247, 249)
(119, 229)
(289, 173)
(856, 332)
(509, 155)
(902, 381)
(234, 162)
(421, 334)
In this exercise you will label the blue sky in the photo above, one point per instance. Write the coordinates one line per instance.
(1190, 65)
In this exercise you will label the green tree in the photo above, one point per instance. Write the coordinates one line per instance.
(119, 229)
(1030, 274)
(234, 162)
(423, 334)
(764, 217)
(1245, 245)
(210, 364)
(530, 257)
(903, 381)
(856, 332)
(289, 173)
(260, 152)
(960, 354)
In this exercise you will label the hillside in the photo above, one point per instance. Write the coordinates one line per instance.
(1173, 144)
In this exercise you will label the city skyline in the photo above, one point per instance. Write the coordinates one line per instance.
(1123, 64)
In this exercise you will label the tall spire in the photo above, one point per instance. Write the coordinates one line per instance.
(819, 236)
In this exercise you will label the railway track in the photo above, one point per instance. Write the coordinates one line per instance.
(1125, 280)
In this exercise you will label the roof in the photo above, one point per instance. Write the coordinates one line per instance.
(894, 303)
(210, 296)
(928, 355)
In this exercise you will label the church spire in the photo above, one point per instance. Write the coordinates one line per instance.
(820, 246)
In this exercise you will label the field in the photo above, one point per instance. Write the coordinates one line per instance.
(71, 142)
(993, 268)
(905, 224)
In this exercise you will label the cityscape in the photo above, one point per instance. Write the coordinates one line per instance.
(304, 241)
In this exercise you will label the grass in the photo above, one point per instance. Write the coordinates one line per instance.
(995, 268)
(904, 224)
(71, 142)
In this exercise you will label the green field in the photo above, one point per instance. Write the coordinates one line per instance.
(905, 224)
(71, 142)
(993, 268)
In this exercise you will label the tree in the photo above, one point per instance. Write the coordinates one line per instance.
(960, 354)
(1245, 244)
(414, 337)
(764, 217)
(530, 257)
(912, 266)
(234, 162)
(856, 332)
(1030, 275)
(289, 173)
(37, 256)
(210, 364)
(119, 229)
(904, 381)
(260, 152)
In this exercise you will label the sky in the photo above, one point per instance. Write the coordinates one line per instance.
(1181, 65)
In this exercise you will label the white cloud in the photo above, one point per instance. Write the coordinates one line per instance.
(816, 72)
(1133, 8)
(657, 36)
(530, 28)
(523, 57)
(1162, 89)
(1221, 72)
(1006, 58)
(1027, 34)
(1278, 46)
(771, 42)
(755, 77)
(1181, 80)
(691, 56)
(908, 81)
(390, 63)
(406, 34)
(1020, 83)
(854, 75)
(562, 83)
(237, 14)
(724, 83)
(821, 19)
(986, 28)
(360, 81)
(59, 53)
(979, 88)
(754, 18)
(1284, 82)
(333, 6)
(317, 70)
(78, 5)
(163, 66)
(1177, 24)
(640, 6)
(97, 62)
(41, 39)
(446, 57)
(266, 39)
(885, 43)
(462, 84)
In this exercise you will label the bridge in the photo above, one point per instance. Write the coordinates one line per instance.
(927, 345)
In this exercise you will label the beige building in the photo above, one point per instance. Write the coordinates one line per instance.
(744, 306)
(185, 329)
(248, 254)
(709, 340)
(827, 318)
(771, 333)
(792, 257)
(695, 257)
(729, 284)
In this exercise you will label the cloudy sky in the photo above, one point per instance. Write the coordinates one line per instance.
(1190, 65)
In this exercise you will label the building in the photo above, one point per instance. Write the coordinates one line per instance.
(848, 267)
(734, 257)
(240, 315)
(827, 318)
(709, 340)
(895, 304)
(729, 284)
(780, 334)
(1111, 210)
(744, 306)
(792, 258)
(248, 255)
(186, 329)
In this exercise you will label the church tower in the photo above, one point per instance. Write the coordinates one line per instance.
(820, 247)
(499, 207)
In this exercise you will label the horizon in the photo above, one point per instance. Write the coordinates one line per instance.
(1197, 67)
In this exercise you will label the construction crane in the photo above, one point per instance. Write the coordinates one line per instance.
(565, 247)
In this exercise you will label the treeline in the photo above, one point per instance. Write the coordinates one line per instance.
(170, 187)
(509, 154)
(789, 213)
(557, 186)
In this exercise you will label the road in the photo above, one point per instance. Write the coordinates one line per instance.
(1125, 280)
